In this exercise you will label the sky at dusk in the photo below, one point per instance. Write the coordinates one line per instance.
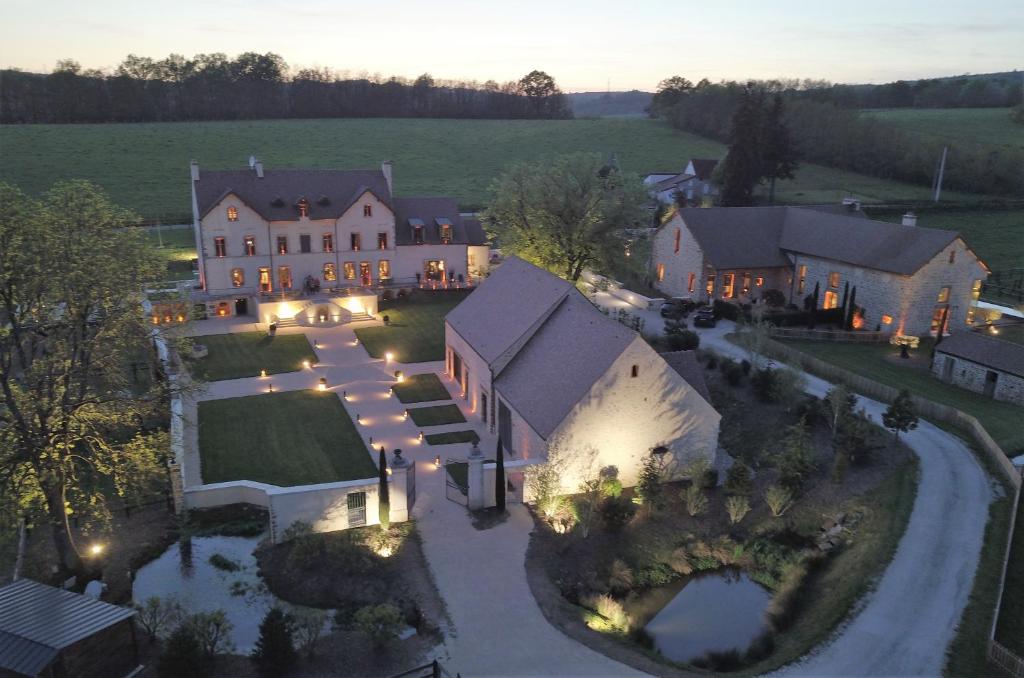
(585, 45)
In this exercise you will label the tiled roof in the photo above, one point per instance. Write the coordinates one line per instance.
(431, 213)
(37, 621)
(275, 196)
(508, 304)
(738, 237)
(685, 363)
(1000, 355)
(556, 369)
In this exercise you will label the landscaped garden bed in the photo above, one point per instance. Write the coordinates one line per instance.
(415, 332)
(437, 415)
(421, 388)
(245, 354)
(290, 438)
(452, 437)
(810, 527)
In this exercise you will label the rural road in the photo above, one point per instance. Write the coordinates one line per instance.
(905, 625)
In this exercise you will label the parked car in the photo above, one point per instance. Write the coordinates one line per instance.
(677, 306)
(704, 318)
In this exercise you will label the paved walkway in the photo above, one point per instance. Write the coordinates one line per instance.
(906, 624)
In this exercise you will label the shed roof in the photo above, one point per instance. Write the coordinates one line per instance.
(997, 354)
(506, 305)
(37, 621)
(575, 346)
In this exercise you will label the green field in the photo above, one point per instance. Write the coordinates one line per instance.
(145, 166)
(286, 439)
(989, 126)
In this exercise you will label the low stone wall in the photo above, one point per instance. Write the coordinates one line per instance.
(615, 288)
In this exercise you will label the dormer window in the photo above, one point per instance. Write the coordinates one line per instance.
(367, 210)
(303, 206)
(417, 235)
(446, 233)
(232, 213)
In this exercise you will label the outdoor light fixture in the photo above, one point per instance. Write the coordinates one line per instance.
(405, 414)
(437, 461)
(96, 549)
(322, 386)
(263, 374)
(391, 390)
(420, 436)
(355, 342)
(270, 387)
(344, 394)
(371, 440)
(399, 376)
(316, 343)
(305, 364)
(359, 419)
(389, 356)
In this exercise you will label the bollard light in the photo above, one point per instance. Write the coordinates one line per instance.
(437, 461)
(263, 374)
(322, 386)
(389, 356)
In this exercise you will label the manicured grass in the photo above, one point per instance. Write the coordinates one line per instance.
(421, 388)
(177, 246)
(1001, 420)
(436, 416)
(244, 354)
(292, 438)
(452, 437)
(988, 126)
(997, 236)
(144, 166)
(1010, 631)
(416, 332)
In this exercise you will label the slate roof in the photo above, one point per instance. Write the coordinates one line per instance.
(561, 362)
(704, 167)
(758, 237)
(38, 621)
(672, 181)
(510, 301)
(432, 212)
(997, 354)
(275, 196)
(686, 365)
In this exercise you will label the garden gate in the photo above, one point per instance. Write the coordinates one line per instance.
(456, 481)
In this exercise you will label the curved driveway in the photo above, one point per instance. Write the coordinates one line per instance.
(906, 624)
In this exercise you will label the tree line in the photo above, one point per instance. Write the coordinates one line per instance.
(258, 86)
(825, 133)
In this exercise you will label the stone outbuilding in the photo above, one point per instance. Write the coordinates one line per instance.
(983, 364)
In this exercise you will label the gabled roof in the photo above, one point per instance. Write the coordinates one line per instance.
(686, 365)
(431, 213)
(37, 621)
(1004, 356)
(758, 237)
(672, 182)
(704, 167)
(275, 196)
(510, 302)
(556, 369)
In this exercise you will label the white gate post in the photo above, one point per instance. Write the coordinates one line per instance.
(398, 492)
(475, 478)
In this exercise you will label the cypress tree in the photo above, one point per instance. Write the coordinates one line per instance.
(384, 502)
(274, 653)
(846, 296)
(499, 479)
(814, 306)
(742, 167)
(848, 321)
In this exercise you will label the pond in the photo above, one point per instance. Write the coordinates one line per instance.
(712, 612)
(198, 586)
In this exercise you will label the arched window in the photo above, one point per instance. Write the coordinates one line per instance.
(367, 210)
(232, 213)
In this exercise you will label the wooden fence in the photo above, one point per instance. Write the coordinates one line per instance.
(1005, 660)
(830, 335)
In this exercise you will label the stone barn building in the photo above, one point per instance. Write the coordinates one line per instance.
(983, 364)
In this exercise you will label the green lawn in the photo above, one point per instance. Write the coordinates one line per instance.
(416, 332)
(244, 354)
(420, 388)
(436, 416)
(1001, 420)
(144, 166)
(178, 247)
(1010, 631)
(989, 126)
(292, 438)
(997, 236)
(452, 437)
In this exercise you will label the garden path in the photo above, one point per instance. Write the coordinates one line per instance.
(906, 624)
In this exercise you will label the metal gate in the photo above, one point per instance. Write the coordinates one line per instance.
(410, 488)
(456, 481)
(356, 509)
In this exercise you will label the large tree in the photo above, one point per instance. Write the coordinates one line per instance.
(778, 153)
(71, 331)
(564, 214)
(743, 167)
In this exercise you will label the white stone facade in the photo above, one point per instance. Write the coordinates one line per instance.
(974, 377)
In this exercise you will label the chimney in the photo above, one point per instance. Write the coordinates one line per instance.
(385, 168)
(194, 168)
(258, 166)
(910, 219)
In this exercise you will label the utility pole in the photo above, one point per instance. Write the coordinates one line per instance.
(942, 169)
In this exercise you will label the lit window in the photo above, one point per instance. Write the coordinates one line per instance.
(727, 285)
(350, 270)
(831, 299)
(446, 234)
(237, 277)
(833, 280)
(232, 213)
(330, 272)
(250, 246)
(709, 287)
(746, 283)
(303, 206)
(635, 371)
(354, 241)
(328, 242)
(661, 272)
(367, 210)
(282, 244)
(220, 247)
(943, 295)
(970, 315)
(266, 285)
(758, 281)
(382, 241)
(679, 234)
(284, 276)
(887, 320)
(801, 280)
(384, 269)
(952, 256)
(691, 284)
(364, 273)
(976, 290)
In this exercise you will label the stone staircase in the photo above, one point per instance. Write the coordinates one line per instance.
(286, 322)
(362, 315)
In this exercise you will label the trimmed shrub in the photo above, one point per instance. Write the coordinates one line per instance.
(620, 579)
(381, 623)
(727, 310)
(763, 382)
(182, 656)
(222, 563)
(734, 374)
(616, 512)
(778, 498)
(696, 500)
(610, 609)
(739, 480)
(737, 507)
(774, 298)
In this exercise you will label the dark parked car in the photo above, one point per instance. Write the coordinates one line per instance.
(704, 318)
(676, 307)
